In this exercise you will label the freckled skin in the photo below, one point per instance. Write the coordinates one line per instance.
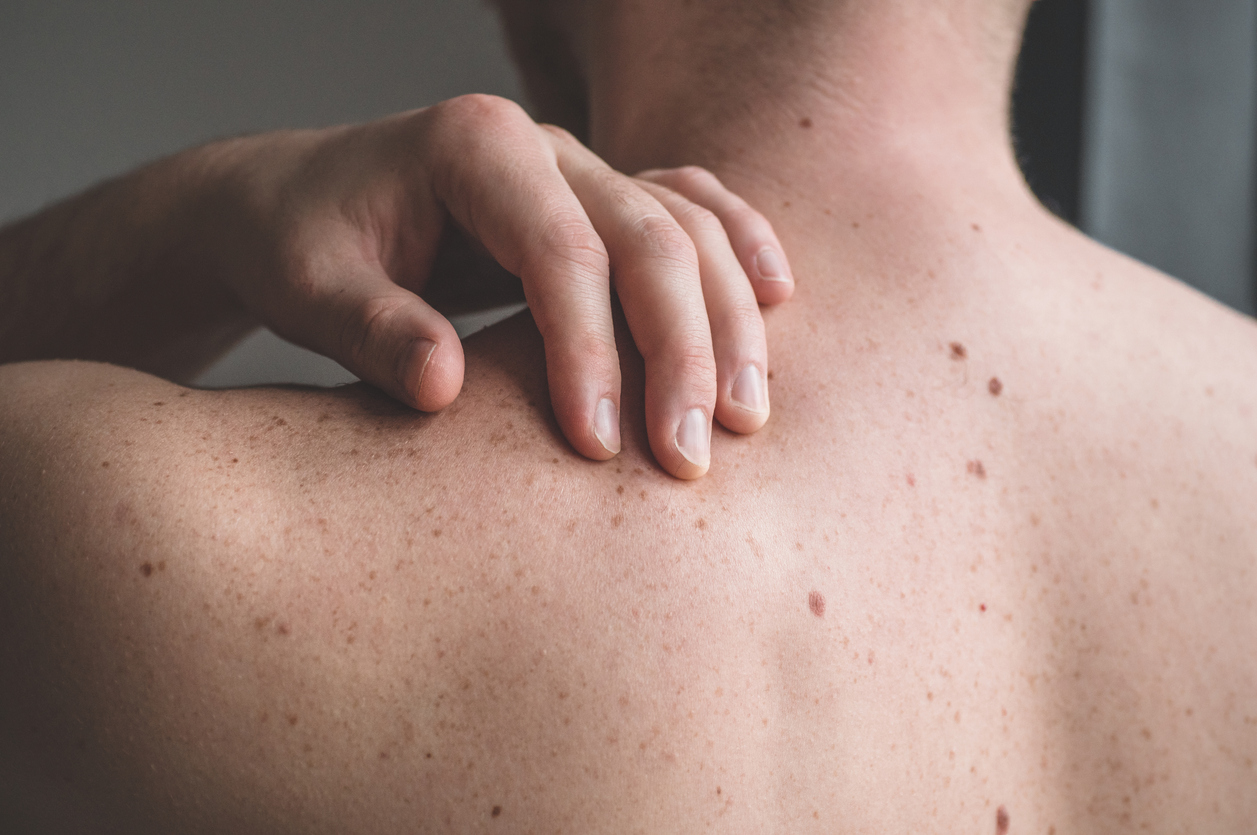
(600, 678)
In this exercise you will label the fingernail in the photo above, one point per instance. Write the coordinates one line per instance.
(694, 438)
(770, 265)
(607, 426)
(413, 365)
(749, 391)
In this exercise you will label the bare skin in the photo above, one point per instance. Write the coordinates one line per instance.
(990, 567)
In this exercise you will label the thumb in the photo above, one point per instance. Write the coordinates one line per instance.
(386, 335)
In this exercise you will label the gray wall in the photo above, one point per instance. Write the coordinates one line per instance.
(1168, 162)
(90, 89)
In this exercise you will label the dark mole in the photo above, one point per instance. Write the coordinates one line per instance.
(147, 569)
(159, 403)
(995, 387)
(279, 421)
(976, 468)
(436, 532)
(497, 810)
(805, 122)
(105, 464)
(1001, 821)
(770, 375)
(816, 602)
(718, 790)
(958, 351)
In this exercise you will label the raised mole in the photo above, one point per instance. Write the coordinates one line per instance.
(816, 602)
(995, 387)
(958, 351)
(1001, 821)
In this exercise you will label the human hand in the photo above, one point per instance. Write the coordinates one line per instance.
(342, 226)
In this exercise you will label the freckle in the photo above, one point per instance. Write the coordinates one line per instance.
(700, 524)
(805, 122)
(497, 810)
(798, 546)
(929, 697)
(427, 755)
(184, 394)
(975, 468)
(554, 460)
(105, 464)
(785, 204)
(816, 602)
(161, 565)
(279, 421)
(292, 719)
(436, 532)
(995, 387)
(957, 717)
(235, 460)
(855, 224)
(717, 789)
(159, 403)
(872, 658)
(643, 494)
(958, 351)
(620, 489)
(912, 482)
(976, 227)
(283, 629)
(617, 520)
(147, 569)
(1001, 821)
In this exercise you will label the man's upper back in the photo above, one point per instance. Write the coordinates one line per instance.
(993, 561)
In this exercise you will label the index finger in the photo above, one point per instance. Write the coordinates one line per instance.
(499, 178)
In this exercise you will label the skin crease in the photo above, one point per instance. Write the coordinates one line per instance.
(911, 602)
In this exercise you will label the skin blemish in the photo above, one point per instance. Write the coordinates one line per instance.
(283, 629)
(617, 520)
(975, 468)
(620, 489)
(982, 608)
(436, 532)
(770, 375)
(816, 602)
(105, 464)
(700, 524)
(159, 403)
(497, 810)
(805, 122)
(995, 387)
(1001, 821)
(161, 565)
(912, 482)
(292, 719)
(975, 227)
(958, 351)
(147, 569)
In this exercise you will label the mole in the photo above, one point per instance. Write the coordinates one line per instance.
(958, 351)
(982, 608)
(497, 810)
(1001, 821)
(147, 569)
(805, 122)
(995, 387)
(975, 468)
(816, 602)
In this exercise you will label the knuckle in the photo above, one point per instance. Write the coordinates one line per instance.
(662, 237)
(572, 240)
(694, 178)
(479, 110)
(363, 332)
(692, 360)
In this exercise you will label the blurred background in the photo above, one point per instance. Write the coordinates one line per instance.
(1134, 118)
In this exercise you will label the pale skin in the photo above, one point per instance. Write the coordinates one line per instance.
(989, 568)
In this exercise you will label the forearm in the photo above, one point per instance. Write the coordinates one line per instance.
(129, 272)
